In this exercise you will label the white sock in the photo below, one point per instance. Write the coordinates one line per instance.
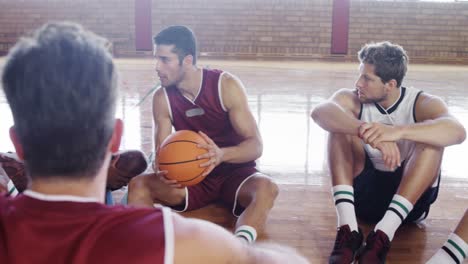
(343, 195)
(12, 191)
(454, 251)
(397, 211)
(247, 233)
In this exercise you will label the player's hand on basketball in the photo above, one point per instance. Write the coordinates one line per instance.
(374, 133)
(170, 183)
(214, 154)
(390, 154)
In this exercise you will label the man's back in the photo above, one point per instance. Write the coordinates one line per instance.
(54, 229)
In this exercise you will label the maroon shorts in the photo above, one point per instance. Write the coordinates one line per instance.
(222, 184)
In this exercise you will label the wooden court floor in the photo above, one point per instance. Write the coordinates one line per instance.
(281, 95)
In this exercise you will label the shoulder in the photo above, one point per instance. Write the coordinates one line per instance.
(428, 106)
(348, 99)
(159, 94)
(427, 102)
(231, 81)
(160, 102)
(233, 91)
(346, 94)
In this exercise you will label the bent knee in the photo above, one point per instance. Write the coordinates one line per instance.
(266, 189)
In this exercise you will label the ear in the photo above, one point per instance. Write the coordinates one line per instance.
(116, 138)
(392, 84)
(188, 60)
(16, 143)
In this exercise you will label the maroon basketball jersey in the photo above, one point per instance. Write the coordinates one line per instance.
(205, 113)
(40, 231)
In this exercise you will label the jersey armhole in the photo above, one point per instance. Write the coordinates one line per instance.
(220, 91)
(360, 111)
(414, 105)
(168, 105)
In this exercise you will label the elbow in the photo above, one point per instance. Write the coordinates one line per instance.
(259, 149)
(461, 135)
(314, 114)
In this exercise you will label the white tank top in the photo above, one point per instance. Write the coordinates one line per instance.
(400, 113)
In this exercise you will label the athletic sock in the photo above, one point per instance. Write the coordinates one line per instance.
(397, 211)
(12, 191)
(454, 250)
(247, 233)
(343, 195)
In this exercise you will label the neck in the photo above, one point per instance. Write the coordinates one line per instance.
(89, 187)
(191, 83)
(392, 97)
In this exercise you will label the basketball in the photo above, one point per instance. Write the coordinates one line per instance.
(178, 156)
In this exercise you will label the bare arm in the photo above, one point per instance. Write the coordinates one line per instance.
(436, 126)
(243, 122)
(161, 119)
(339, 114)
(198, 241)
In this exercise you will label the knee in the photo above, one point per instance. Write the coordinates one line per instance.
(137, 185)
(267, 190)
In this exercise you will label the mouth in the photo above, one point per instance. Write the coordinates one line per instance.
(359, 93)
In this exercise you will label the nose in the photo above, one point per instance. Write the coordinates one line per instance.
(358, 83)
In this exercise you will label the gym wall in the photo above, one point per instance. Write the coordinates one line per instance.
(429, 31)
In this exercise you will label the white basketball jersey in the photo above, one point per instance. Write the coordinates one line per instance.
(400, 113)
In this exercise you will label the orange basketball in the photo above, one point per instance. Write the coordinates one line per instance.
(178, 156)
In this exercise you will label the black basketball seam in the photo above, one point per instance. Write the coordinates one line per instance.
(188, 179)
(193, 177)
(178, 162)
(180, 141)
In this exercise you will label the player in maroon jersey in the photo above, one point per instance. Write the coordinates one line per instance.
(213, 103)
(61, 86)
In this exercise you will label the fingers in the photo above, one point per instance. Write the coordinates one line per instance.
(390, 154)
(208, 170)
(210, 154)
(371, 135)
(363, 128)
(171, 183)
(162, 175)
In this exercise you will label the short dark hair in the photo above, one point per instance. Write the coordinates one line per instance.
(390, 60)
(182, 38)
(61, 85)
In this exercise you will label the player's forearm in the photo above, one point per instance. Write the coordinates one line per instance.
(249, 150)
(441, 132)
(333, 118)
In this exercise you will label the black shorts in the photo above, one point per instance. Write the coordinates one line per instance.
(374, 190)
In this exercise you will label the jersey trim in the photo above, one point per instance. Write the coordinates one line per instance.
(414, 105)
(220, 92)
(394, 106)
(59, 198)
(168, 105)
(168, 236)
